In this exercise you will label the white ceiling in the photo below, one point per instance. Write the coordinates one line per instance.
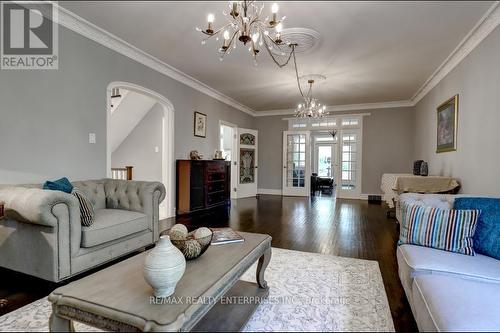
(370, 51)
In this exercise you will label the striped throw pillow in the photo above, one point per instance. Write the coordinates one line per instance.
(445, 229)
(87, 212)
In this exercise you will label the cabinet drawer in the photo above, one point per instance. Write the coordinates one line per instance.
(216, 167)
(216, 187)
(216, 198)
(216, 176)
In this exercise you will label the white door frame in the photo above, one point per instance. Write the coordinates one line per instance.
(248, 190)
(234, 156)
(297, 191)
(167, 207)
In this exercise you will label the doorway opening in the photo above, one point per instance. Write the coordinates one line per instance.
(228, 146)
(140, 134)
(323, 156)
(324, 176)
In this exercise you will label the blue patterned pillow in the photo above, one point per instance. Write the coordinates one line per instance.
(487, 236)
(444, 229)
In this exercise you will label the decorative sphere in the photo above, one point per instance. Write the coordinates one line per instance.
(191, 249)
(180, 228)
(176, 235)
(202, 233)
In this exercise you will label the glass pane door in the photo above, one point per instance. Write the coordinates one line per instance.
(296, 160)
(350, 164)
(296, 163)
(325, 161)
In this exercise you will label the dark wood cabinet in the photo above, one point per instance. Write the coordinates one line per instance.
(202, 185)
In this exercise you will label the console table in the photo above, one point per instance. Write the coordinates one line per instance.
(394, 184)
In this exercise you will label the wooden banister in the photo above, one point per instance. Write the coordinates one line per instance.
(122, 173)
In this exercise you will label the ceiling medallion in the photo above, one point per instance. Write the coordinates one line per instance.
(306, 39)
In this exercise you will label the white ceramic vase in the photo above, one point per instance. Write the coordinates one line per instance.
(164, 266)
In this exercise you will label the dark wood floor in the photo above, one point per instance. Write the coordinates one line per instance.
(349, 228)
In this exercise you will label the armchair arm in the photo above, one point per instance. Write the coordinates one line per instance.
(41, 232)
(34, 205)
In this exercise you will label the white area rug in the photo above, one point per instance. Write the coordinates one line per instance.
(308, 292)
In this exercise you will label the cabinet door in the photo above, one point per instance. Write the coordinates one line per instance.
(197, 188)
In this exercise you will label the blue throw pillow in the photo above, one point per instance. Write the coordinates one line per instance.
(487, 236)
(62, 184)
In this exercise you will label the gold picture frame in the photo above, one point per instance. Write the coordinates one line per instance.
(447, 125)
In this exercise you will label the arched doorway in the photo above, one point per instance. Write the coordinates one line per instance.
(167, 207)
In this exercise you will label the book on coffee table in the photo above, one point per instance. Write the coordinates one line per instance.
(225, 236)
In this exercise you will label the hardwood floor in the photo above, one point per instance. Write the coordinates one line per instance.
(349, 228)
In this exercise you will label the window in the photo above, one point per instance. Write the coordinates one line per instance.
(350, 122)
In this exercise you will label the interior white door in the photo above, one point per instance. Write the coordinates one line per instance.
(349, 170)
(296, 163)
(248, 158)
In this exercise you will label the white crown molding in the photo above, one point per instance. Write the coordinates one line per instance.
(340, 108)
(487, 23)
(87, 29)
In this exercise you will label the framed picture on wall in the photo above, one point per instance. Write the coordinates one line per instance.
(447, 122)
(200, 124)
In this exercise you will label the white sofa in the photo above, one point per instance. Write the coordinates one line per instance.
(449, 291)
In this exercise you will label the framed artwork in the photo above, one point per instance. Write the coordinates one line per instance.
(200, 124)
(447, 122)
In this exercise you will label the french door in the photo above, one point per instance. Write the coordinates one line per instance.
(248, 158)
(349, 169)
(296, 163)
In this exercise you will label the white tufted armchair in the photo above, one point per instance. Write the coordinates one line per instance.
(42, 233)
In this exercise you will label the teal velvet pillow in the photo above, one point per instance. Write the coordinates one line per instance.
(487, 236)
(62, 184)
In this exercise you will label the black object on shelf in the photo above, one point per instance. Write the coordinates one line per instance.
(417, 166)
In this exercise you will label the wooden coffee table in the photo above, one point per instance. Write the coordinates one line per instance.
(207, 298)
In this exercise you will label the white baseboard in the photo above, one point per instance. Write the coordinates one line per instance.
(269, 191)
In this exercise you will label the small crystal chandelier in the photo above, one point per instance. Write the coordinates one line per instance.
(311, 107)
(245, 24)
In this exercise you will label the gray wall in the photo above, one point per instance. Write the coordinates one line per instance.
(477, 81)
(388, 146)
(46, 116)
(270, 151)
(138, 148)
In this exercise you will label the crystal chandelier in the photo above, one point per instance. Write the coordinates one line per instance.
(244, 23)
(311, 107)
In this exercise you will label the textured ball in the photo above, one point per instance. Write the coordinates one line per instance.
(176, 235)
(203, 236)
(191, 249)
(180, 228)
(202, 233)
